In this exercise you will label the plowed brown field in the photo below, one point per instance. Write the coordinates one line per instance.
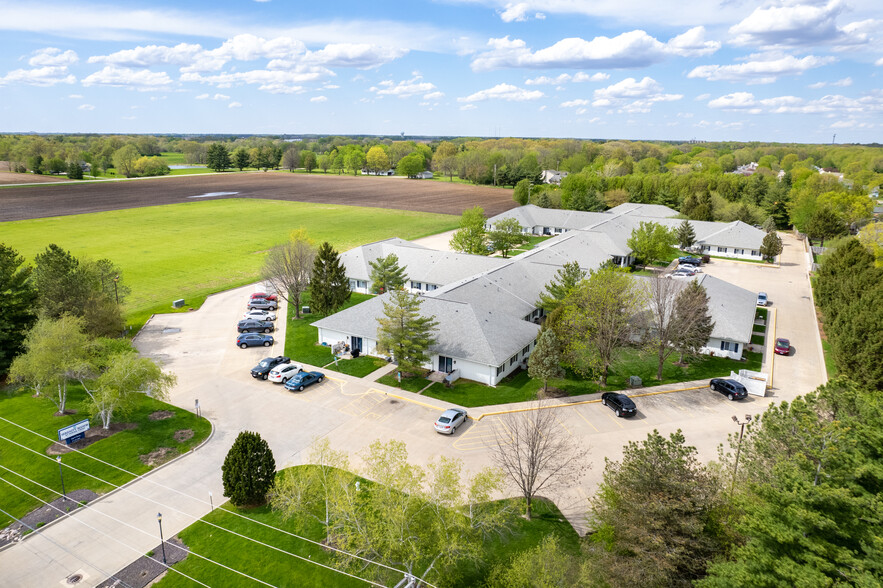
(380, 192)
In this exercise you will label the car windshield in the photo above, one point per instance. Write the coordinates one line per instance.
(265, 364)
(444, 419)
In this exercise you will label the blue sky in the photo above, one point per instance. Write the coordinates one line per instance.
(789, 71)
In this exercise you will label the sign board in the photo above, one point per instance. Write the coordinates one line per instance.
(75, 432)
(754, 382)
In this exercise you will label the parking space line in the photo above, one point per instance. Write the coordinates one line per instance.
(585, 419)
(563, 426)
(614, 419)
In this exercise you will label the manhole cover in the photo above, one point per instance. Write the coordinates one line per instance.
(169, 331)
(391, 401)
(74, 579)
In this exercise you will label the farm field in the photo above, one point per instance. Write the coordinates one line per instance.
(27, 202)
(194, 249)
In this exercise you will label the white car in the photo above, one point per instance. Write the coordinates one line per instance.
(690, 268)
(282, 372)
(260, 315)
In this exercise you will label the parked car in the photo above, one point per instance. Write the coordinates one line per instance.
(262, 369)
(284, 372)
(263, 295)
(620, 404)
(261, 304)
(690, 260)
(783, 346)
(729, 388)
(689, 267)
(260, 315)
(762, 299)
(303, 379)
(253, 326)
(449, 420)
(683, 273)
(253, 340)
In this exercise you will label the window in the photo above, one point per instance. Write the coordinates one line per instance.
(525, 351)
(362, 284)
(722, 249)
(755, 253)
(706, 248)
(513, 359)
(352, 284)
(416, 285)
(725, 346)
(738, 252)
(499, 369)
(430, 287)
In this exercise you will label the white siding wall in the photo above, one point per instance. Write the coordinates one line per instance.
(369, 346)
(731, 252)
(714, 347)
(360, 286)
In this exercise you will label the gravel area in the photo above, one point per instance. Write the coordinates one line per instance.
(146, 569)
(45, 514)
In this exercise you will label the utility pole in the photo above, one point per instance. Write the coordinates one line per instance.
(738, 447)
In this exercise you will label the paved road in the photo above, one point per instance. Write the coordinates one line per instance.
(351, 413)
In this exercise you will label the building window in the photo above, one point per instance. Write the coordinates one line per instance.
(362, 283)
(416, 285)
(706, 248)
(755, 253)
(430, 287)
(721, 249)
(500, 369)
(738, 252)
(525, 351)
(725, 345)
(353, 284)
(513, 359)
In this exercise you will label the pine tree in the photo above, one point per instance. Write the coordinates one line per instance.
(545, 361)
(241, 159)
(771, 246)
(217, 156)
(17, 295)
(403, 332)
(249, 470)
(769, 225)
(329, 286)
(686, 235)
(74, 171)
(693, 320)
(386, 274)
(565, 280)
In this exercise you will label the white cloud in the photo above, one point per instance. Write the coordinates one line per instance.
(516, 12)
(40, 76)
(139, 79)
(468, 107)
(703, 97)
(506, 92)
(843, 83)
(632, 96)
(404, 89)
(871, 103)
(879, 61)
(210, 97)
(572, 103)
(75, 96)
(544, 80)
(318, 99)
(275, 82)
(359, 55)
(762, 71)
(794, 24)
(234, 105)
(434, 96)
(631, 49)
(85, 107)
(180, 54)
(595, 77)
(52, 57)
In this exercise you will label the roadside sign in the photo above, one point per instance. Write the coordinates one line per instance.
(73, 433)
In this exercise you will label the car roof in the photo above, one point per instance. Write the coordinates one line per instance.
(453, 412)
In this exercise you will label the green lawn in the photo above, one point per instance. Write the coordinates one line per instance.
(520, 387)
(122, 449)
(280, 569)
(411, 384)
(761, 313)
(757, 339)
(172, 158)
(301, 343)
(195, 249)
(830, 366)
(532, 242)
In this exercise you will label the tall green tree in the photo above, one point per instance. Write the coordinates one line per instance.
(685, 234)
(218, 157)
(547, 565)
(377, 159)
(124, 160)
(692, 319)
(651, 241)
(659, 515)
(329, 286)
(241, 158)
(521, 193)
(410, 165)
(825, 224)
(545, 361)
(404, 332)
(74, 171)
(249, 470)
(565, 280)
(386, 274)
(17, 308)
(60, 287)
(471, 237)
(506, 234)
(771, 246)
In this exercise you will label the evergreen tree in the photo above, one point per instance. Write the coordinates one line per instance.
(771, 246)
(565, 280)
(824, 224)
(241, 159)
(249, 470)
(329, 286)
(74, 171)
(17, 309)
(545, 361)
(542, 200)
(60, 288)
(218, 158)
(685, 234)
(521, 194)
(769, 225)
(386, 274)
(693, 320)
(404, 332)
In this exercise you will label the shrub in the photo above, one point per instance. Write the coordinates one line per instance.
(249, 470)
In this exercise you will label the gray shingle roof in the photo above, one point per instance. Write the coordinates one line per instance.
(732, 309)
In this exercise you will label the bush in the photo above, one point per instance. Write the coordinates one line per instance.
(249, 470)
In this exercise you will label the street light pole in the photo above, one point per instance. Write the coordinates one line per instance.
(739, 447)
(161, 541)
(116, 292)
(61, 473)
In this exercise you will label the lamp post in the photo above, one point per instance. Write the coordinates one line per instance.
(116, 292)
(739, 446)
(61, 473)
(161, 541)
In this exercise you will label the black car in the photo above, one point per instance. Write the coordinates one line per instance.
(729, 388)
(262, 369)
(621, 404)
(690, 260)
(255, 326)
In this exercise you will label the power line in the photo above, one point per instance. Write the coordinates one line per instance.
(107, 534)
(197, 519)
(63, 548)
(236, 514)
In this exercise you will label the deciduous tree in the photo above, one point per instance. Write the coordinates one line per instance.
(249, 470)
(471, 237)
(377, 159)
(404, 333)
(410, 165)
(124, 160)
(547, 565)
(291, 158)
(651, 241)
(445, 159)
(288, 268)
(692, 319)
(329, 286)
(17, 308)
(386, 274)
(506, 234)
(521, 193)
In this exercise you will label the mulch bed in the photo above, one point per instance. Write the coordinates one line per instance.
(183, 435)
(396, 193)
(92, 435)
(161, 415)
(146, 569)
(45, 514)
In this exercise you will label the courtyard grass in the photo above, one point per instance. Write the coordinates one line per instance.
(121, 449)
(301, 343)
(198, 248)
(279, 569)
(520, 387)
(830, 365)
(409, 383)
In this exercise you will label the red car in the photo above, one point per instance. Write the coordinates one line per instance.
(263, 295)
(783, 346)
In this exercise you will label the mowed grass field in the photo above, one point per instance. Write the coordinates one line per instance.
(194, 249)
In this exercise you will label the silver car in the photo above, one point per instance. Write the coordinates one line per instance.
(450, 419)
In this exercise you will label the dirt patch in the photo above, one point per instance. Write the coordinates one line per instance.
(67, 411)
(92, 435)
(552, 392)
(7, 178)
(160, 456)
(183, 435)
(161, 415)
(396, 193)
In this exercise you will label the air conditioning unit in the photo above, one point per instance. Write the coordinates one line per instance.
(178, 303)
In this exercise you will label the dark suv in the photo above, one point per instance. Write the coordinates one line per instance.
(690, 260)
(621, 404)
(262, 369)
(255, 326)
(729, 388)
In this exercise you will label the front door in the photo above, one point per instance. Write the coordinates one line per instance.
(356, 343)
(445, 364)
